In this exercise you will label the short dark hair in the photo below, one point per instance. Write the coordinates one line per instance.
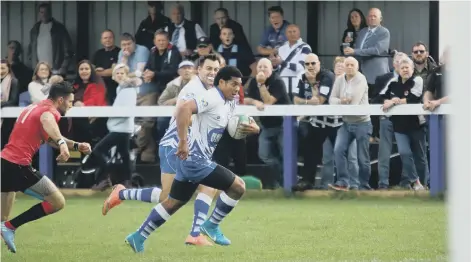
(127, 37)
(156, 4)
(275, 9)
(211, 57)
(222, 9)
(227, 73)
(61, 89)
(419, 44)
(47, 6)
(161, 32)
(227, 27)
(108, 30)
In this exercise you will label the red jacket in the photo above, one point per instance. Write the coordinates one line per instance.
(241, 95)
(94, 95)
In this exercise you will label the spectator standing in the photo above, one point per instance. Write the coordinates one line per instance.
(290, 59)
(274, 35)
(355, 22)
(50, 42)
(9, 96)
(153, 22)
(222, 19)
(436, 93)
(183, 33)
(39, 89)
(372, 48)
(236, 55)
(136, 57)
(268, 88)
(314, 88)
(104, 59)
(386, 130)
(328, 156)
(21, 72)
(409, 130)
(423, 63)
(352, 89)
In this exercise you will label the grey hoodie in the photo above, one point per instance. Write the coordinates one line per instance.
(126, 96)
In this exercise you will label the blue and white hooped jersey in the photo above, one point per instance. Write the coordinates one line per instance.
(193, 88)
(208, 126)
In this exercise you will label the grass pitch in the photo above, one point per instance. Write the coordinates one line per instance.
(260, 229)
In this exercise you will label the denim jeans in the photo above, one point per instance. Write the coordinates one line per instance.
(384, 151)
(348, 132)
(270, 150)
(328, 164)
(412, 149)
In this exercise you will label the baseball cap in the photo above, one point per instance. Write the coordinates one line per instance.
(185, 63)
(203, 42)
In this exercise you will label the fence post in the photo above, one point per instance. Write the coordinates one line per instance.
(46, 166)
(437, 157)
(290, 153)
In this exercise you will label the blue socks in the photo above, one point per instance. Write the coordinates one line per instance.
(157, 217)
(149, 195)
(202, 204)
(224, 206)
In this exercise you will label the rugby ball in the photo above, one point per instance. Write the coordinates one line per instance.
(234, 126)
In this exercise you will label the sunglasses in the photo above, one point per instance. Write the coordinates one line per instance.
(310, 63)
(419, 52)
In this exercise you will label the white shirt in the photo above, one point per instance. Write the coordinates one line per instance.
(181, 44)
(193, 88)
(296, 69)
(44, 46)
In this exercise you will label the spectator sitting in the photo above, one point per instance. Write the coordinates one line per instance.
(274, 35)
(409, 131)
(50, 42)
(222, 19)
(9, 95)
(89, 91)
(352, 89)
(154, 21)
(355, 22)
(236, 55)
(22, 73)
(186, 70)
(39, 89)
(183, 33)
(204, 48)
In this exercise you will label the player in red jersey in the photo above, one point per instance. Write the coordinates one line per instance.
(36, 124)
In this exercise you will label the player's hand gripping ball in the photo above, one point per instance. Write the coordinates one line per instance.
(240, 126)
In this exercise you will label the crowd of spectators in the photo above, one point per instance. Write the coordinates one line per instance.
(164, 52)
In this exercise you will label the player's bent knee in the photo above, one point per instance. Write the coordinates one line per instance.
(56, 201)
(172, 205)
(237, 189)
(166, 180)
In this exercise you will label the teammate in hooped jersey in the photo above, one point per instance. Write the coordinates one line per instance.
(208, 66)
(35, 125)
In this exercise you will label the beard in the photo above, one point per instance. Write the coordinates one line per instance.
(420, 62)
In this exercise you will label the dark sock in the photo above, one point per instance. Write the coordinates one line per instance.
(35, 212)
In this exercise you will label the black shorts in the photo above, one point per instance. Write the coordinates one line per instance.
(221, 178)
(17, 177)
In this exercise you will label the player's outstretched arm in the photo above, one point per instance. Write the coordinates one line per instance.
(50, 126)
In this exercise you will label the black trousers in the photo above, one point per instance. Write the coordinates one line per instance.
(311, 147)
(100, 154)
(229, 147)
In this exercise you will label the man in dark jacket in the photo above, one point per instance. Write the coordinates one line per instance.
(154, 21)
(50, 42)
(221, 16)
